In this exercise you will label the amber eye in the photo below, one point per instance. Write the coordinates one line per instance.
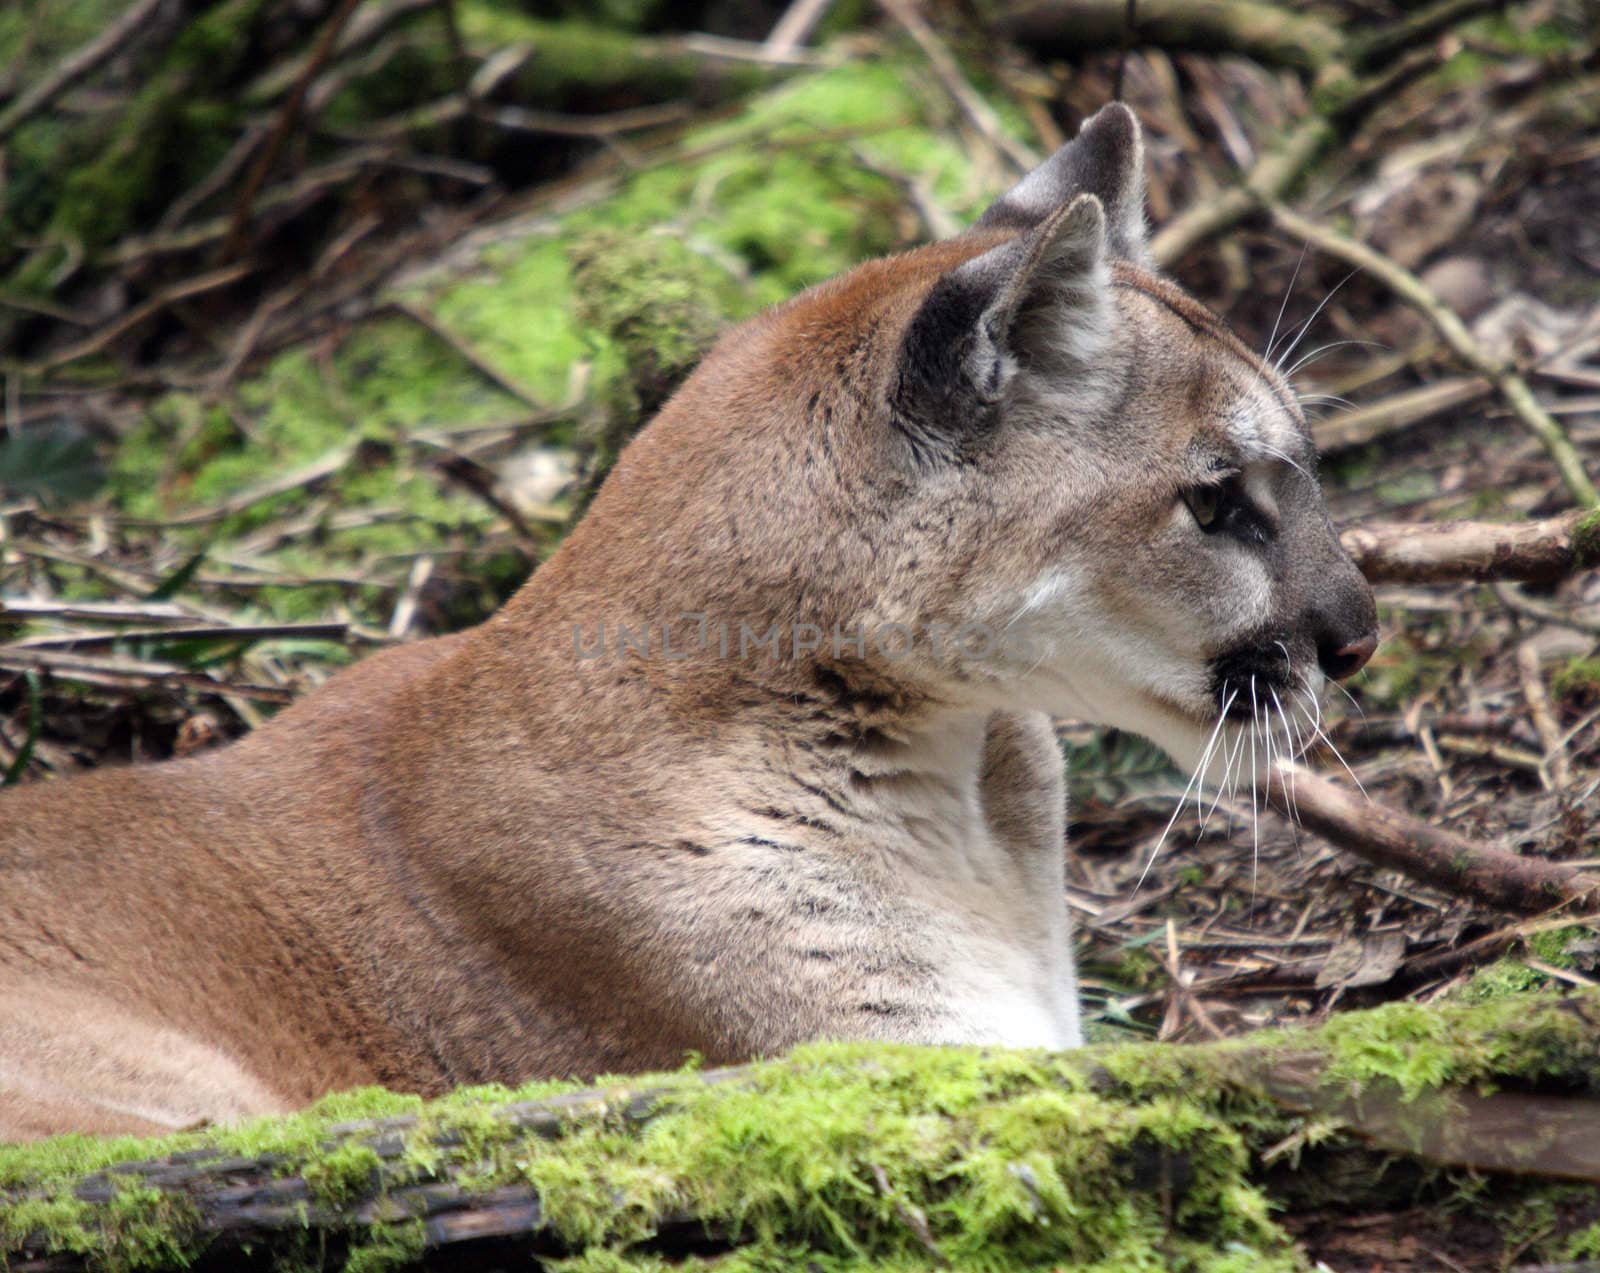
(1205, 502)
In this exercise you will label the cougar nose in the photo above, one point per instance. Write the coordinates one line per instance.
(1346, 660)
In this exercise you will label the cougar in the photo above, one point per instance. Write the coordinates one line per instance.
(763, 753)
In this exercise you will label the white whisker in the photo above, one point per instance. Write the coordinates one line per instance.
(1255, 808)
(1272, 339)
(1288, 740)
(1280, 455)
(1354, 701)
(1305, 327)
(1307, 359)
(1337, 755)
(1205, 759)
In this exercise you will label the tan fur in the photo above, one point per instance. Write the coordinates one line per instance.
(485, 857)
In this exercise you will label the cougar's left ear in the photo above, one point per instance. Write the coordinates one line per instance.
(1106, 159)
(965, 340)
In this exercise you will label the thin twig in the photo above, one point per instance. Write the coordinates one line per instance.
(967, 99)
(72, 68)
(194, 632)
(1398, 411)
(1514, 599)
(1506, 379)
(1531, 674)
(132, 674)
(244, 206)
(469, 355)
(146, 310)
(795, 26)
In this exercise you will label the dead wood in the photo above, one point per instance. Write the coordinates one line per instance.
(1389, 838)
(1453, 552)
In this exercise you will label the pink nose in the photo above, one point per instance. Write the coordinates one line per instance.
(1349, 659)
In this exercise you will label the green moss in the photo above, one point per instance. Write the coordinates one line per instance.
(622, 295)
(138, 1228)
(395, 1246)
(1582, 1245)
(1505, 978)
(1578, 680)
(1550, 946)
(581, 61)
(958, 1134)
(1586, 540)
(852, 1156)
(343, 1173)
(165, 122)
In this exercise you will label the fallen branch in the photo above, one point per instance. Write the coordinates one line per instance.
(1388, 838)
(1455, 552)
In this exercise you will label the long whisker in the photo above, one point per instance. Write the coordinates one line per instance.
(1225, 786)
(1294, 278)
(1255, 809)
(1339, 756)
(1305, 327)
(1288, 739)
(1306, 360)
(1354, 701)
(1205, 759)
(1276, 454)
(1300, 743)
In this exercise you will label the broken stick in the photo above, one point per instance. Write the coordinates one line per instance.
(1389, 838)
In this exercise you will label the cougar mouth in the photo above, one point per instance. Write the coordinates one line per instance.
(1246, 680)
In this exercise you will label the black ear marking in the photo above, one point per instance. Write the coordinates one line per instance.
(1106, 159)
(957, 351)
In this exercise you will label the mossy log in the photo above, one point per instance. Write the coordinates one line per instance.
(855, 1156)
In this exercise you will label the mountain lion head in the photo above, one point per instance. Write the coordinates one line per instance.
(1017, 469)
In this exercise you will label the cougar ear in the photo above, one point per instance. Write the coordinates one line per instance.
(1106, 159)
(963, 343)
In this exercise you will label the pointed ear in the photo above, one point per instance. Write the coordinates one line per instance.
(962, 345)
(1106, 159)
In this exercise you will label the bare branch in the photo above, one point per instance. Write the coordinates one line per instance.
(1395, 840)
(76, 65)
(1451, 552)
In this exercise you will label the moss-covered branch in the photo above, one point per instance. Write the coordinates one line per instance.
(851, 1156)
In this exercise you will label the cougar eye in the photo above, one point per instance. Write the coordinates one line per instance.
(1205, 502)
